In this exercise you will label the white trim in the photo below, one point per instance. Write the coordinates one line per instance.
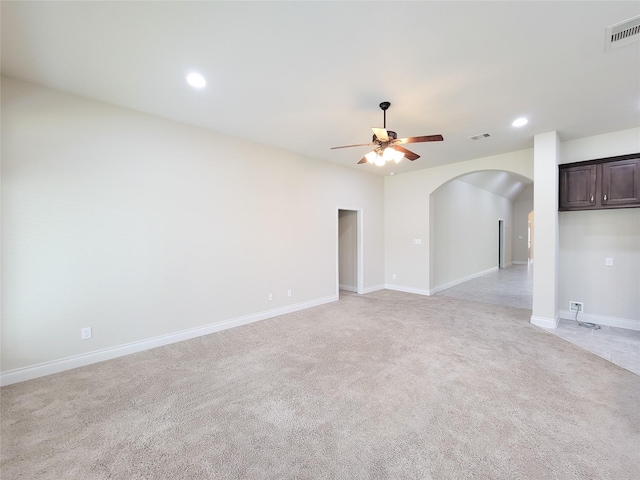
(374, 288)
(348, 288)
(400, 288)
(520, 262)
(545, 322)
(56, 366)
(461, 280)
(627, 323)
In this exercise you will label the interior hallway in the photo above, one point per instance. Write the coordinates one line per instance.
(513, 286)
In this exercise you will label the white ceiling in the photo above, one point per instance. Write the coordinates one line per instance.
(306, 76)
(505, 184)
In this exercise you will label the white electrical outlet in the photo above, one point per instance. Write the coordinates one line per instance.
(271, 296)
(289, 293)
(576, 307)
(85, 333)
(393, 276)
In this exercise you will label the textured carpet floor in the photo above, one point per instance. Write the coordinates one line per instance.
(384, 385)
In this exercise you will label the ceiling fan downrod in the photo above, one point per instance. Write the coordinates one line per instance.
(384, 106)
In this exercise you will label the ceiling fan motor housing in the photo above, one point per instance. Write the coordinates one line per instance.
(391, 134)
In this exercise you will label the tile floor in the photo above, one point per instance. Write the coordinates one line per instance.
(513, 286)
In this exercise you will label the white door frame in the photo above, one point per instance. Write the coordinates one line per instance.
(359, 248)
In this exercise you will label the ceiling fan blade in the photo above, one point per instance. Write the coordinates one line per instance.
(381, 134)
(407, 153)
(426, 138)
(357, 145)
(363, 160)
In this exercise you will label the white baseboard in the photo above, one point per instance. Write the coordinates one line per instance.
(545, 322)
(56, 366)
(627, 323)
(400, 288)
(458, 281)
(348, 288)
(520, 262)
(374, 288)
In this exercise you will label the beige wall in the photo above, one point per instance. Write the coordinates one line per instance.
(586, 240)
(141, 227)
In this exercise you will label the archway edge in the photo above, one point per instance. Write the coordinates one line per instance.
(519, 163)
(497, 181)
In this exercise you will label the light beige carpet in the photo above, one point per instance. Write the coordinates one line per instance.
(381, 386)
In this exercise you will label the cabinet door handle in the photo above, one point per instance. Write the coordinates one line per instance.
(591, 198)
(605, 197)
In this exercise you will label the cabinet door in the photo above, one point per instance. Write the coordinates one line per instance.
(621, 183)
(578, 187)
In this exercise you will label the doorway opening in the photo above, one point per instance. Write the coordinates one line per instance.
(500, 243)
(349, 261)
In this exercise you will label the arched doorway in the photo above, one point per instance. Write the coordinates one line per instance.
(465, 212)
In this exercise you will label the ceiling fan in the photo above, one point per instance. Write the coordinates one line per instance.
(388, 146)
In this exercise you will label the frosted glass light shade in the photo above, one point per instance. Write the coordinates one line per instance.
(371, 156)
(388, 154)
(397, 156)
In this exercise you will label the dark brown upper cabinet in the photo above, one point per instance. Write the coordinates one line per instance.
(612, 182)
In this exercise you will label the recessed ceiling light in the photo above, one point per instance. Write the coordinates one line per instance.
(519, 122)
(196, 80)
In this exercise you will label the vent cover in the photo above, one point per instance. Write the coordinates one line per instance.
(623, 33)
(480, 136)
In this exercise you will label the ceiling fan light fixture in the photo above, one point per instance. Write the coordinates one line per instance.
(371, 156)
(397, 156)
(387, 145)
(388, 154)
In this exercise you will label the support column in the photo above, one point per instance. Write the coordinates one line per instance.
(545, 206)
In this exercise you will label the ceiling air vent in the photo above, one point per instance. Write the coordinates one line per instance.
(623, 33)
(479, 137)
